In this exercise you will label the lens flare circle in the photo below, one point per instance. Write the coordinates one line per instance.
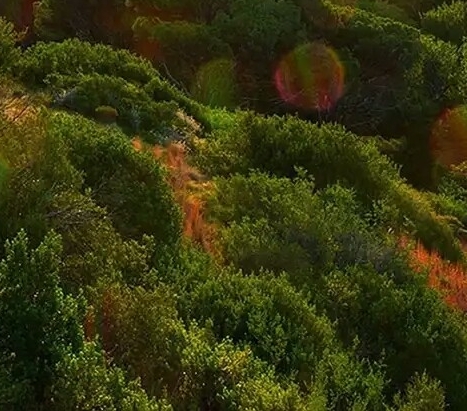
(215, 84)
(448, 139)
(310, 77)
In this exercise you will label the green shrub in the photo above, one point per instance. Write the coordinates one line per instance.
(137, 112)
(8, 51)
(149, 346)
(160, 90)
(215, 84)
(331, 155)
(435, 79)
(283, 225)
(38, 172)
(379, 42)
(101, 21)
(99, 71)
(74, 57)
(187, 364)
(223, 376)
(423, 393)
(386, 9)
(184, 46)
(417, 7)
(404, 324)
(284, 331)
(93, 250)
(447, 22)
(269, 316)
(279, 145)
(83, 381)
(130, 185)
(406, 79)
(259, 29)
(265, 313)
(40, 325)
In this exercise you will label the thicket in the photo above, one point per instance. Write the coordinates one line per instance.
(395, 72)
(162, 253)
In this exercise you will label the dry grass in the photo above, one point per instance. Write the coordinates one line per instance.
(190, 188)
(448, 278)
(17, 109)
(22, 129)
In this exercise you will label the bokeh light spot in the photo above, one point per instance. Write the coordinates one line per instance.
(310, 77)
(215, 84)
(448, 140)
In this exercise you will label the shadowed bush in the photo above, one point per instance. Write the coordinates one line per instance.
(132, 188)
(331, 154)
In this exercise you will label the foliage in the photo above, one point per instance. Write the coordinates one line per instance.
(39, 171)
(148, 346)
(103, 73)
(136, 112)
(386, 9)
(261, 28)
(162, 254)
(85, 382)
(422, 393)
(331, 155)
(8, 51)
(447, 22)
(281, 329)
(214, 84)
(40, 324)
(182, 40)
(371, 304)
(73, 57)
(132, 187)
(88, 20)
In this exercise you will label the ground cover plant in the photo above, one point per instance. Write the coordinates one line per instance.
(233, 205)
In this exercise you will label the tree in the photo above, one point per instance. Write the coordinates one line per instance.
(40, 324)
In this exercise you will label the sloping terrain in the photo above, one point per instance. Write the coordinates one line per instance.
(271, 218)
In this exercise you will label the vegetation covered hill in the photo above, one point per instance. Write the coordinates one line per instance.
(233, 205)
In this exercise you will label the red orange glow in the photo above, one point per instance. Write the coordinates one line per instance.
(310, 77)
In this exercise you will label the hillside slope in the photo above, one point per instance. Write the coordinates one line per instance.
(162, 253)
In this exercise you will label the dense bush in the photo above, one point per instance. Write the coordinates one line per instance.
(331, 155)
(85, 382)
(55, 20)
(8, 51)
(40, 325)
(422, 392)
(184, 46)
(386, 9)
(135, 111)
(447, 22)
(404, 348)
(262, 28)
(102, 75)
(186, 363)
(73, 57)
(279, 326)
(38, 172)
(306, 293)
(129, 184)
